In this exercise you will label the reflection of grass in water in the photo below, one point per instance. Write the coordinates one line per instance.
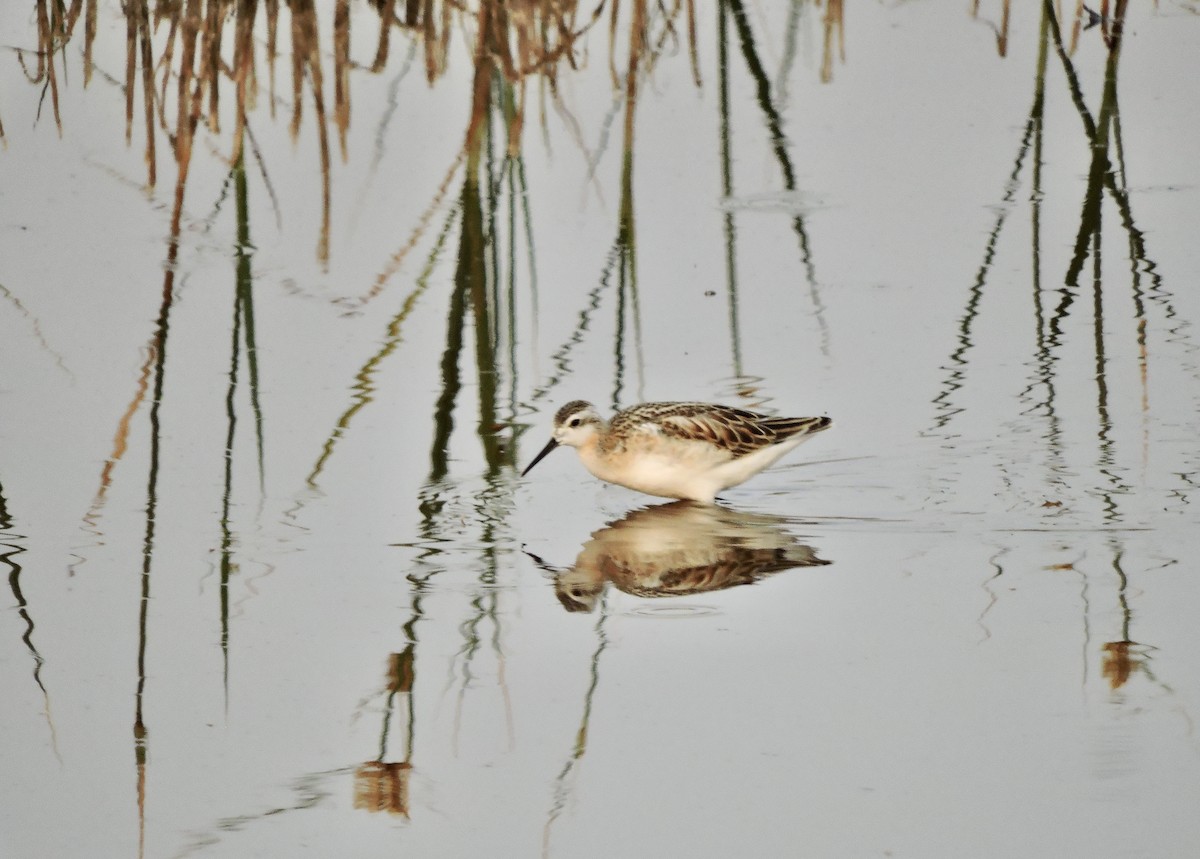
(10, 548)
(478, 277)
(243, 329)
(120, 444)
(161, 332)
(379, 784)
(1106, 175)
(564, 783)
(36, 326)
(476, 287)
(737, 14)
(958, 363)
(364, 384)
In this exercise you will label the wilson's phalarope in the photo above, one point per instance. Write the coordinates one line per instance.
(677, 450)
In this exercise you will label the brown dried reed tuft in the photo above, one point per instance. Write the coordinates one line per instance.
(197, 47)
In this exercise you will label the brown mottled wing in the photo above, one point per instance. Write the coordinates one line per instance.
(737, 430)
(737, 566)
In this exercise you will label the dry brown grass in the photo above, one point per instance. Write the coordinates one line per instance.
(183, 57)
(196, 65)
(186, 52)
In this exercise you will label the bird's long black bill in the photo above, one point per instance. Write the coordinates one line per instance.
(545, 450)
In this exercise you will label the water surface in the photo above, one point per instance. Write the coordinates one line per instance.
(276, 588)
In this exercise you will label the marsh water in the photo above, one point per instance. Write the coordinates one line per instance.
(289, 296)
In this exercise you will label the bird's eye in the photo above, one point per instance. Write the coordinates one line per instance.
(573, 422)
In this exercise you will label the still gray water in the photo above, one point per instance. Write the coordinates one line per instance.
(288, 298)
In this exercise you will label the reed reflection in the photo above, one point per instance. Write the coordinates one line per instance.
(149, 544)
(492, 211)
(769, 102)
(380, 784)
(565, 781)
(11, 547)
(244, 340)
(1137, 285)
(1124, 656)
(680, 549)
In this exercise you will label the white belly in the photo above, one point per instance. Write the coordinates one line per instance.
(681, 469)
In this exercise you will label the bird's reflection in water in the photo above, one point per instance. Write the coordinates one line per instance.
(678, 549)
